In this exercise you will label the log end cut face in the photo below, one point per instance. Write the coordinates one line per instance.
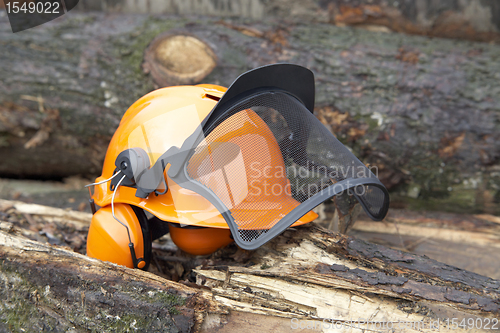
(178, 59)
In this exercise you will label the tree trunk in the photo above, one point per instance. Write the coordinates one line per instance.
(306, 278)
(424, 111)
(470, 242)
(466, 19)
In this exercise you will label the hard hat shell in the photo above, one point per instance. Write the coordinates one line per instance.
(207, 160)
(165, 118)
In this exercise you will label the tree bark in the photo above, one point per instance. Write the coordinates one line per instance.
(424, 111)
(308, 274)
(465, 19)
(469, 242)
(47, 288)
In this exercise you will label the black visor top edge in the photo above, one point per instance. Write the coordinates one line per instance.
(294, 79)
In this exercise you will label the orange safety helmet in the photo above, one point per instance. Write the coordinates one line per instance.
(217, 166)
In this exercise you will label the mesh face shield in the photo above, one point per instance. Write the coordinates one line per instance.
(267, 161)
(264, 161)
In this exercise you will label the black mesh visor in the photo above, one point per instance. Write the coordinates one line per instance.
(269, 161)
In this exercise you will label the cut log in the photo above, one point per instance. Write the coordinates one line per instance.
(467, 241)
(316, 261)
(174, 59)
(465, 19)
(424, 111)
(53, 288)
(308, 278)
(49, 214)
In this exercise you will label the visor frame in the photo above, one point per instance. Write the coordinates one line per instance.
(187, 182)
(180, 175)
(296, 82)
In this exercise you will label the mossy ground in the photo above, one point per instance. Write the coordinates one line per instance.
(30, 306)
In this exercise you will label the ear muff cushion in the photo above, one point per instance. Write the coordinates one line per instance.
(157, 227)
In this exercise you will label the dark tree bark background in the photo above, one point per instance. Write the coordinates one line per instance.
(425, 111)
(477, 20)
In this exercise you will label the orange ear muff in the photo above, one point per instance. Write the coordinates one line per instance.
(199, 240)
(108, 240)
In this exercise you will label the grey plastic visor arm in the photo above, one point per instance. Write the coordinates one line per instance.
(149, 180)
